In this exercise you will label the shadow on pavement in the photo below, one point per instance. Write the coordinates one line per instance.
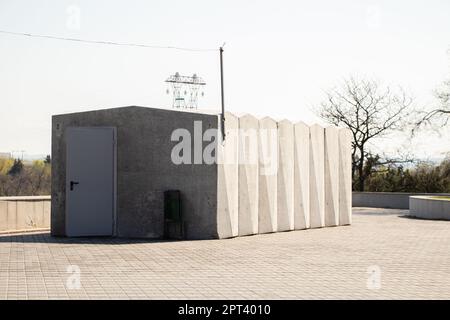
(45, 237)
(419, 218)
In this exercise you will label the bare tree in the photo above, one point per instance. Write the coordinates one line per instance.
(440, 116)
(370, 111)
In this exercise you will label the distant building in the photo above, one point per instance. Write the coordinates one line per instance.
(5, 155)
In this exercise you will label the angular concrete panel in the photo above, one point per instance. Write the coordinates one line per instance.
(285, 177)
(331, 176)
(301, 176)
(228, 180)
(345, 177)
(317, 176)
(248, 175)
(268, 167)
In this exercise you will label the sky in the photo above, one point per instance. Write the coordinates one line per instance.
(279, 58)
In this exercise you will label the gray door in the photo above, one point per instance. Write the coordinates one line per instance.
(90, 189)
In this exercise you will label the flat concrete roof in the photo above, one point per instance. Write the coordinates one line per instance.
(201, 111)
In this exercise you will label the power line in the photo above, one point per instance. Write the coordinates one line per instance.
(105, 42)
(137, 45)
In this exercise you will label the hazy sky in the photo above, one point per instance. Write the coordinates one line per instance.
(279, 56)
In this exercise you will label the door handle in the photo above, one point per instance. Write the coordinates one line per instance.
(72, 183)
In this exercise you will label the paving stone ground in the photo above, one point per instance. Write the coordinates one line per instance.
(383, 254)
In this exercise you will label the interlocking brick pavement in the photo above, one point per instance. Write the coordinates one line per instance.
(410, 259)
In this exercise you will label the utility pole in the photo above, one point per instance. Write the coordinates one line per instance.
(222, 116)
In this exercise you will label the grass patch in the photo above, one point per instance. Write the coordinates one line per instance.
(441, 198)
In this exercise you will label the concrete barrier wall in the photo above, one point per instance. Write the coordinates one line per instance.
(228, 180)
(426, 207)
(390, 200)
(317, 176)
(268, 169)
(285, 177)
(301, 176)
(331, 176)
(24, 213)
(248, 175)
(345, 177)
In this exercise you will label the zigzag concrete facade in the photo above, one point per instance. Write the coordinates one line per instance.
(310, 187)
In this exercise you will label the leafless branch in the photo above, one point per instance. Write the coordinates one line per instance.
(369, 110)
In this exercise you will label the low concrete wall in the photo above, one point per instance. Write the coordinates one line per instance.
(393, 200)
(24, 213)
(429, 208)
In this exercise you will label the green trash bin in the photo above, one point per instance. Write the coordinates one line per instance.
(173, 218)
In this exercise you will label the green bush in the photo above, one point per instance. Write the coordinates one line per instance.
(23, 179)
(424, 177)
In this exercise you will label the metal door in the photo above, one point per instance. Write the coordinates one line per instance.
(90, 181)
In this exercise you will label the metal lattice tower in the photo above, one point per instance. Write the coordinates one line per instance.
(185, 90)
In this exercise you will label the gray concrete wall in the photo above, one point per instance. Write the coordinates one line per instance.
(24, 213)
(393, 200)
(144, 170)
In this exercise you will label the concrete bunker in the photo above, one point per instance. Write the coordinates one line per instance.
(110, 169)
